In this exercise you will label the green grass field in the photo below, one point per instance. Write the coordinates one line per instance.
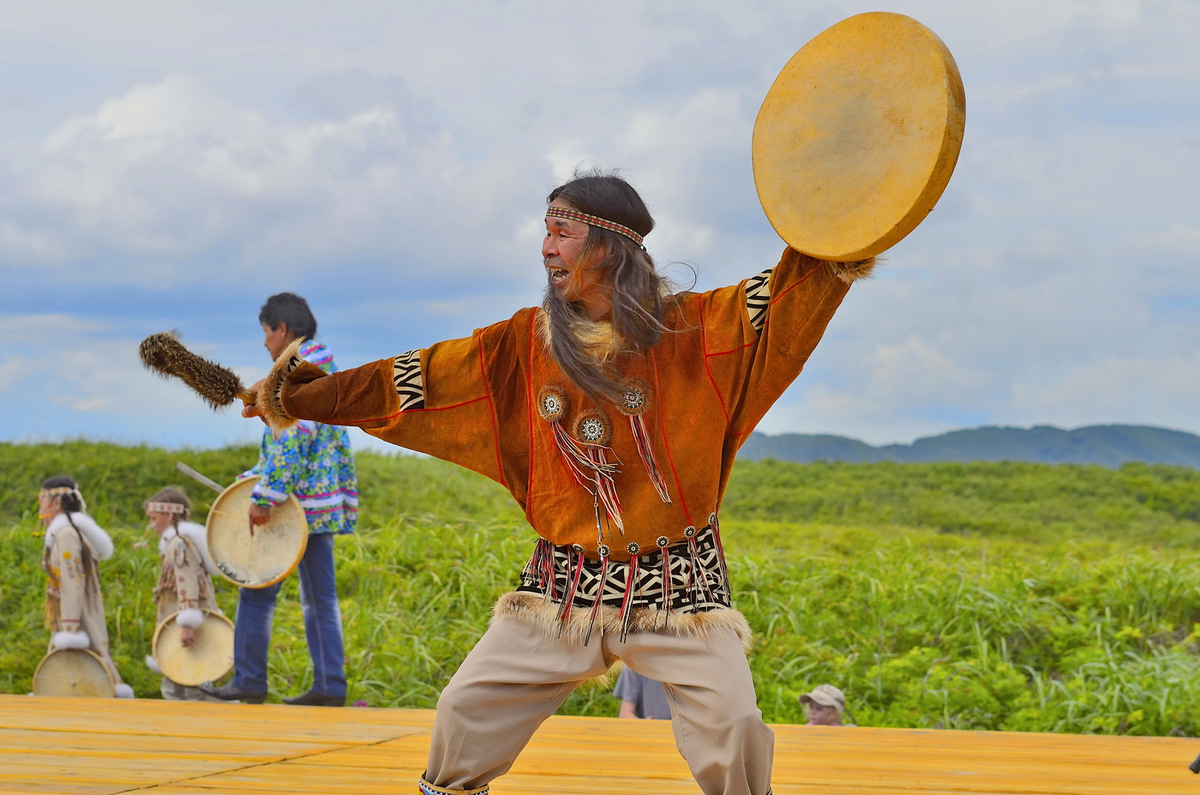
(971, 596)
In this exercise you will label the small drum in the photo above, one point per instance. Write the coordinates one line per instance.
(261, 558)
(208, 658)
(858, 136)
(73, 673)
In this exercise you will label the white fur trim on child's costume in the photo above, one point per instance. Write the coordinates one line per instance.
(192, 617)
(71, 640)
(152, 664)
(198, 535)
(97, 539)
(124, 691)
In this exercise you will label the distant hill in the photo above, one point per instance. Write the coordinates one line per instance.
(1105, 445)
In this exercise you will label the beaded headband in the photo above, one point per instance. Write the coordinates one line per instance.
(593, 220)
(166, 507)
(61, 490)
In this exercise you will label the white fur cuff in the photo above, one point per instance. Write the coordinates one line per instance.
(124, 691)
(152, 664)
(850, 272)
(71, 640)
(192, 617)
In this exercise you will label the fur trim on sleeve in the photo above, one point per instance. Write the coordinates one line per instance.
(71, 640)
(850, 272)
(124, 691)
(199, 538)
(97, 539)
(192, 617)
(152, 664)
(101, 544)
(270, 397)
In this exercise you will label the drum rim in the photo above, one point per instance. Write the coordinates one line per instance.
(941, 167)
(209, 613)
(111, 679)
(208, 528)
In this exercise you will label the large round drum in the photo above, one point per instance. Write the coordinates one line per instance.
(858, 136)
(262, 557)
(73, 673)
(208, 658)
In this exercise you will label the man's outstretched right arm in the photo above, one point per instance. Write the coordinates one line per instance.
(435, 400)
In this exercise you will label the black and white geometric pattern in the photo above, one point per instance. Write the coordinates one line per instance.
(276, 397)
(689, 576)
(758, 298)
(406, 373)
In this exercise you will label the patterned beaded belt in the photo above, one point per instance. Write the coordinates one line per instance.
(687, 577)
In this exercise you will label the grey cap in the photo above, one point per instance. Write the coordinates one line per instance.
(826, 696)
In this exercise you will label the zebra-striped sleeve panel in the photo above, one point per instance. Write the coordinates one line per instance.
(406, 373)
(758, 298)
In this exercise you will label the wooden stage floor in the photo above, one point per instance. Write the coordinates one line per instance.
(67, 746)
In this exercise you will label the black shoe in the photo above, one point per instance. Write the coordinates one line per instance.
(311, 699)
(230, 693)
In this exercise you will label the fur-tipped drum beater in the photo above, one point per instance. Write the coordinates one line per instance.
(858, 136)
(166, 355)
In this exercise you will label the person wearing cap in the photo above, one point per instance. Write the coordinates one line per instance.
(824, 705)
(72, 550)
(612, 413)
(185, 581)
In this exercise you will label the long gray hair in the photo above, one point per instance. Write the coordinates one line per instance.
(640, 295)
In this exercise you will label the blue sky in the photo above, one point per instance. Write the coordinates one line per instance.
(169, 165)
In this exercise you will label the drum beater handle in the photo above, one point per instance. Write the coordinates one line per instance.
(193, 474)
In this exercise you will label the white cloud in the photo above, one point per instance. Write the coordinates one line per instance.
(184, 164)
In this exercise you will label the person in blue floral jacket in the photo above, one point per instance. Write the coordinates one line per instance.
(313, 462)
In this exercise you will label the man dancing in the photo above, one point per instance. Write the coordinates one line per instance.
(613, 414)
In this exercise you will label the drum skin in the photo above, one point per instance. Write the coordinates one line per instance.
(208, 658)
(73, 673)
(858, 136)
(261, 558)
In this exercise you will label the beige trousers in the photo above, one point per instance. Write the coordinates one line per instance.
(518, 675)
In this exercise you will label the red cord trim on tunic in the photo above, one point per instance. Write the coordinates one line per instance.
(798, 282)
(491, 410)
(708, 370)
(533, 425)
(662, 430)
(417, 411)
(733, 350)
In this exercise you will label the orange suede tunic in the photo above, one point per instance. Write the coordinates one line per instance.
(730, 354)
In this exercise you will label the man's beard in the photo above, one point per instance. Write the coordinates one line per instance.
(584, 349)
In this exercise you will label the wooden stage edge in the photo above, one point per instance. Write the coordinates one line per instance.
(108, 746)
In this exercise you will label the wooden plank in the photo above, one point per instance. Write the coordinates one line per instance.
(206, 719)
(103, 747)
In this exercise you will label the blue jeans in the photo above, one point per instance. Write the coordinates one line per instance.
(322, 624)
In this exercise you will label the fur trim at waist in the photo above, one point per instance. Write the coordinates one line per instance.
(545, 614)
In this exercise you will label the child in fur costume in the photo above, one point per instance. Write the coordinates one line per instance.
(185, 584)
(73, 547)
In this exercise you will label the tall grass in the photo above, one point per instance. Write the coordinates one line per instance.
(848, 574)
